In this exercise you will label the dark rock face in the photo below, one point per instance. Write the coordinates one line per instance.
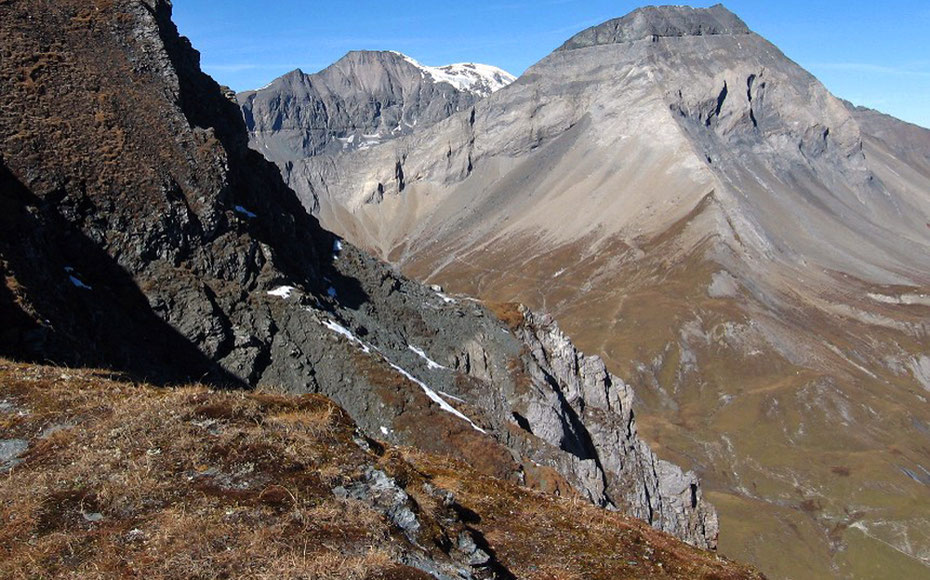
(658, 22)
(137, 221)
(140, 233)
(126, 165)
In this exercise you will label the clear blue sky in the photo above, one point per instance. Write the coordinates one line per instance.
(873, 53)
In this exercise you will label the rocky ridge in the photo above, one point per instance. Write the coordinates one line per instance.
(654, 22)
(141, 234)
(603, 404)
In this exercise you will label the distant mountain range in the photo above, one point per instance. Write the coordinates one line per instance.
(747, 250)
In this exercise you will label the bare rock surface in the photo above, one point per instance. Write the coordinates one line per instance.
(10, 450)
(583, 395)
(654, 22)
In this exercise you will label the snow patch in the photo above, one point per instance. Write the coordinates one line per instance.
(339, 329)
(448, 396)
(479, 79)
(282, 292)
(430, 363)
(78, 283)
(445, 298)
(435, 397)
(74, 279)
(241, 210)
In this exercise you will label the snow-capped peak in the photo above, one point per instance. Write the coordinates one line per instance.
(479, 79)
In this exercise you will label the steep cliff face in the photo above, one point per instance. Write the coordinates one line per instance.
(560, 421)
(584, 395)
(141, 234)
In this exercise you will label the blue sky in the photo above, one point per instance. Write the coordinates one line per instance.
(874, 54)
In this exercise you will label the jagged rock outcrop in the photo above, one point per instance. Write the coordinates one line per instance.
(576, 404)
(141, 234)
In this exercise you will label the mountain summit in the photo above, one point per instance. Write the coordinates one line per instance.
(700, 211)
(653, 22)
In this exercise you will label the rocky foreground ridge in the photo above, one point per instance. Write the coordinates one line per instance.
(139, 233)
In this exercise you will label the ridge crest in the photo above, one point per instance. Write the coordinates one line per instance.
(660, 22)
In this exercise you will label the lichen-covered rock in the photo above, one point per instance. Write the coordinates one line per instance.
(383, 493)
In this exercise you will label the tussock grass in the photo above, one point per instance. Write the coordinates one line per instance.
(182, 483)
(129, 480)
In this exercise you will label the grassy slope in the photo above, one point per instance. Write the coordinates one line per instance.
(124, 479)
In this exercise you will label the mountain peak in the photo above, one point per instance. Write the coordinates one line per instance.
(477, 79)
(661, 21)
(371, 55)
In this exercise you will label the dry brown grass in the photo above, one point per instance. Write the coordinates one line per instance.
(127, 480)
(543, 537)
(508, 312)
(189, 483)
